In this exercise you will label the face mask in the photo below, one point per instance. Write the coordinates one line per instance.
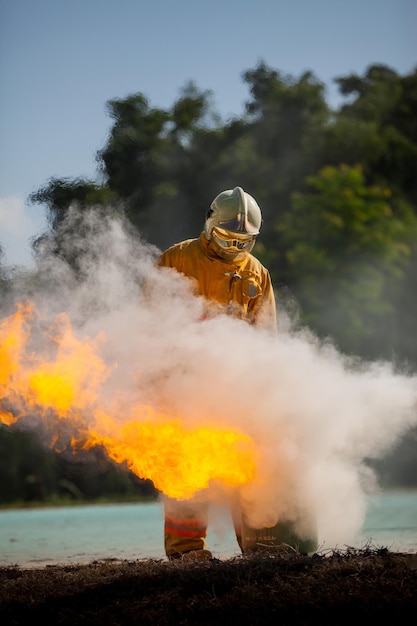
(235, 242)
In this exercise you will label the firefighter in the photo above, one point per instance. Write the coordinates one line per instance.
(234, 282)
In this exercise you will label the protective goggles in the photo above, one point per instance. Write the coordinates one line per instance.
(232, 241)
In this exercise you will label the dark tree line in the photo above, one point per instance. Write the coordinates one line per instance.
(30, 472)
(338, 191)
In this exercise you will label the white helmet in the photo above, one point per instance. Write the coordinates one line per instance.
(232, 223)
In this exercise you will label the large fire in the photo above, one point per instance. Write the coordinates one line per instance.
(55, 384)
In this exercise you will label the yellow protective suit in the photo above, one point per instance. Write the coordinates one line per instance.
(244, 290)
(240, 288)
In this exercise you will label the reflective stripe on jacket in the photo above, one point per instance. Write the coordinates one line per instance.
(242, 289)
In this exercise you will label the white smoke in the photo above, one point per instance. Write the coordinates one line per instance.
(314, 413)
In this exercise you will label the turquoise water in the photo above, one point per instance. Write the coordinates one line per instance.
(40, 537)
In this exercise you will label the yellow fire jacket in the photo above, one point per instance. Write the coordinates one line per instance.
(242, 289)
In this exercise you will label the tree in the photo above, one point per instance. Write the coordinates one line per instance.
(4, 279)
(148, 159)
(129, 160)
(60, 196)
(287, 117)
(344, 245)
(378, 127)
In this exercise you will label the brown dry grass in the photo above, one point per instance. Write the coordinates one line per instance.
(263, 588)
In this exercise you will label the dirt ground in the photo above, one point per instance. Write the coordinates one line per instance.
(263, 588)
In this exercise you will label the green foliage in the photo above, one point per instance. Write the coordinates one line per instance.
(25, 468)
(130, 157)
(287, 118)
(382, 108)
(4, 283)
(67, 202)
(59, 194)
(30, 472)
(344, 242)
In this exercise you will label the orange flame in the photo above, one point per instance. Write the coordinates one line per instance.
(13, 337)
(180, 461)
(60, 382)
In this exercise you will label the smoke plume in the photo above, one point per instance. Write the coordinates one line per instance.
(315, 415)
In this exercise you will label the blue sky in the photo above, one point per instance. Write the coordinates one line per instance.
(62, 60)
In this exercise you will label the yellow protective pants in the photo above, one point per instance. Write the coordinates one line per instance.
(186, 524)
